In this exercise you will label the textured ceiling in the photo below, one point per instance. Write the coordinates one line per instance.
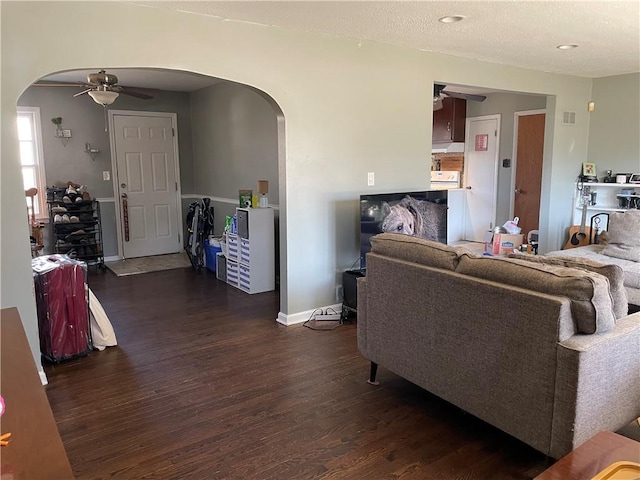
(519, 33)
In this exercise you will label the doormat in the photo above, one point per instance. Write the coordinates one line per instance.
(135, 266)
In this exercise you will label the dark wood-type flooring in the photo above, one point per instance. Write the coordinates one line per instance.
(204, 384)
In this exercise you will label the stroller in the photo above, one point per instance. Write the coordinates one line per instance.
(199, 227)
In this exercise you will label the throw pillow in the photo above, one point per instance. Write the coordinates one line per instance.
(624, 236)
(614, 273)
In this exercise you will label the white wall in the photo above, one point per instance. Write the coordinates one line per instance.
(350, 107)
(614, 141)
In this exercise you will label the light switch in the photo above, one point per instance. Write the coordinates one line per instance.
(371, 179)
(106, 175)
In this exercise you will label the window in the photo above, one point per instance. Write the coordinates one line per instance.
(31, 157)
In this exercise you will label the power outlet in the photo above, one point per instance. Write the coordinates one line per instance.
(106, 175)
(371, 179)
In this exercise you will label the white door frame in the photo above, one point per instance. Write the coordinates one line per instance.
(514, 156)
(114, 169)
(468, 144)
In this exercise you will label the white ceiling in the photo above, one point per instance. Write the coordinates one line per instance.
(519, 33)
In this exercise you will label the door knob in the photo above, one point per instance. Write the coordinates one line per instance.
(469, 187)
(124, 195)
(517, 190)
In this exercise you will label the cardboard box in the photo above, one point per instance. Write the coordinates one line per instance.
(504, 243)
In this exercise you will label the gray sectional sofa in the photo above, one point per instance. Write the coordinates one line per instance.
(543, 352)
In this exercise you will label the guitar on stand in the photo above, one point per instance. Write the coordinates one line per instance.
(579, 235)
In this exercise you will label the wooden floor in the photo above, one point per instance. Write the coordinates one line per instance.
(204, 384)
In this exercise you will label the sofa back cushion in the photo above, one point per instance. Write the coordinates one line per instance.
(614, 274)
(624, 238)
(416, 250)
(588, 292)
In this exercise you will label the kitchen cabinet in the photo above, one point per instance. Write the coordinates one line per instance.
(449, 121)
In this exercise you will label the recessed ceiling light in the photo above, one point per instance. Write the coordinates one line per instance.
(567, 46)
(451, 19)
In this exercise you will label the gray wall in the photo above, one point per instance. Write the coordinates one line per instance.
(614, 141)
(505, 104)
(86, 120)
(235, 141)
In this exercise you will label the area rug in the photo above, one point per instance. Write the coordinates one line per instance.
(135, 266)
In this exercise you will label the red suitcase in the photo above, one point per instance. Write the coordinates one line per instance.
(63, 307)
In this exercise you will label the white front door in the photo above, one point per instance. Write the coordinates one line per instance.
(147, 184)
(481, 173)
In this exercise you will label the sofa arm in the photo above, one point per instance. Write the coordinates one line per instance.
(598, 383)
(362, 316)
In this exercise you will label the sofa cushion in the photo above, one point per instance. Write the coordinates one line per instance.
(623, 237)
(417, 250)
(614, 273)
(588, 292)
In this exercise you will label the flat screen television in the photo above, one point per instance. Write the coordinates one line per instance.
(422, 214)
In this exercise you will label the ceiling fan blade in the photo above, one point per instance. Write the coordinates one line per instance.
(142, 93)
(45, 83)
(465, 96)
(82, 92)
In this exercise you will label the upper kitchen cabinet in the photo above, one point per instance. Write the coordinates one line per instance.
(449, 121)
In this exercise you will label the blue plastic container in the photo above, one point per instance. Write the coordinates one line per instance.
(210, 253)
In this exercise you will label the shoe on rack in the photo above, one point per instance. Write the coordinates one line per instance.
(57, 218)
(58, 209)
(65, 218)
(66, 199)
(74, 219)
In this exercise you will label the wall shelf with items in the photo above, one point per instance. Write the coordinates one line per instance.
(604, 197)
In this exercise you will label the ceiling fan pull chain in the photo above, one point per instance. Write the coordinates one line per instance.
(106, 119)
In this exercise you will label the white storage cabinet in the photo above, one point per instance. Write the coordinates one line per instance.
(251, 252)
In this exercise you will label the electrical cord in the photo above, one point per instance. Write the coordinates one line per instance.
(312, 318)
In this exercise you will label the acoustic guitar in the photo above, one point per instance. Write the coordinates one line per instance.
(579, 235)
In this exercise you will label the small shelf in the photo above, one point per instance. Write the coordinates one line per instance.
(595, 208)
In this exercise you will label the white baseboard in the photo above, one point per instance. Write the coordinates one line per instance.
(301, 317)
(43, 377)
(112, 258)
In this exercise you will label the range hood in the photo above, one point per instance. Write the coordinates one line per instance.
(452, 147)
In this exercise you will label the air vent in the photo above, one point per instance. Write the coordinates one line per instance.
(568, 118)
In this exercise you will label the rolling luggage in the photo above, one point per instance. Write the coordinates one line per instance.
(63, 307)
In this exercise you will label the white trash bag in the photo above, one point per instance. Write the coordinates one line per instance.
(512, 226)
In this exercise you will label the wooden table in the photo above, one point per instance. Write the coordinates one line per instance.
(592, 457)
(35, 450)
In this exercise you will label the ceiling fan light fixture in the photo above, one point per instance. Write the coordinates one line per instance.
(567, 46)
(103, 97)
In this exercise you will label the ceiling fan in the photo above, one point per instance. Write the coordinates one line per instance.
(102, 87)
(439, 93)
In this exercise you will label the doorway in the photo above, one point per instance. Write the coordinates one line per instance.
(481, 175)
(527, 177)
(146, 182)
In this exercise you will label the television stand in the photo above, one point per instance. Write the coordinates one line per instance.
(350, 292)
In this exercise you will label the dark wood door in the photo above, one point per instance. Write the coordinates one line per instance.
(449, 121)
(529, 170)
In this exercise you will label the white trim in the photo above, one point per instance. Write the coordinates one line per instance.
(112, 258)
(176, 153)
(106, 200)
(43, 377)
(514, 156)
(301, 317)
